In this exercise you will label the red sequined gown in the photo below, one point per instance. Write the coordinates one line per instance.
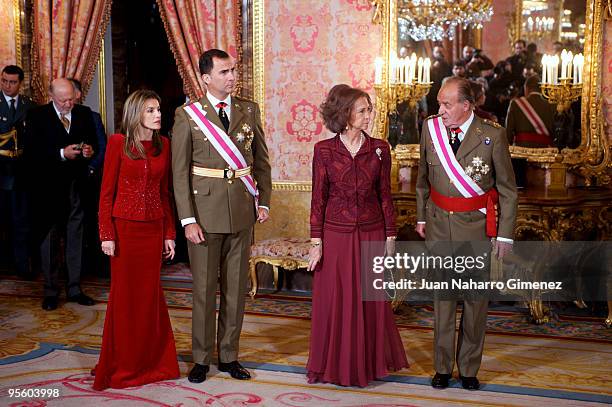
(353, 341)
(138, 344)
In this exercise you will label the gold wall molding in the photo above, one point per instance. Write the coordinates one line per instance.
(102, 83)
(17, 24)
(259, 79)
(294, 186)
(592, 159)
(515, 25)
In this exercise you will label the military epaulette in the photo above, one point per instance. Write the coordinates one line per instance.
(241, 99)
(492, 123)
(433, 116)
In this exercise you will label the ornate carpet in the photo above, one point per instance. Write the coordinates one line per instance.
(565, 362)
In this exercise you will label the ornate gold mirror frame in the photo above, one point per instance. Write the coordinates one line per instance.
(591, 159)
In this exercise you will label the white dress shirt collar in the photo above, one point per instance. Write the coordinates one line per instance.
(8, 99)
(214, 101)
(465, 126)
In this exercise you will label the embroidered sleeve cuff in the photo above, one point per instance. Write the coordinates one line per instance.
(503, 239)
(187, 221)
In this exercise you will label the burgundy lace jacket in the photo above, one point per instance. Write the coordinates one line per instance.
(351, 193)
(135, 189)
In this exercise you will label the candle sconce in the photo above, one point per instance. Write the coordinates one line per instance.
(562, 90)
(401, 92)
(408, 81)
(562, 94)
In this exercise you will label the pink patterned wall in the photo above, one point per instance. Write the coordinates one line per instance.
(311, 46)
(7, 34)
(606, 82)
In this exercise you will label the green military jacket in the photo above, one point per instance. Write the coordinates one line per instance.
(218, 205)
(517, 122)
(484, 140)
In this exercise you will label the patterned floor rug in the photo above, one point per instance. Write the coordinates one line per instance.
(566, 362)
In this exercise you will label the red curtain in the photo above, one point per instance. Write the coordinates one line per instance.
(66, 41)
(194, 26)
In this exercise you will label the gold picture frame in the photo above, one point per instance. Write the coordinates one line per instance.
(591, 159)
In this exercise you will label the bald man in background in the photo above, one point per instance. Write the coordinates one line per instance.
(59, 144)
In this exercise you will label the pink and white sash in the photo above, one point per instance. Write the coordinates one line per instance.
(223, 144)
(532, 116)
(466, 185)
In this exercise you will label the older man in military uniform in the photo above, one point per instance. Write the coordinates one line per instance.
(464, 171)
(222, 185)
(13, 202)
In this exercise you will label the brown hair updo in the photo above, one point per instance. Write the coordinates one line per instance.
(336, 110)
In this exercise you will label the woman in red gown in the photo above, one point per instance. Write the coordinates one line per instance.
(136, 229)
(353, 341)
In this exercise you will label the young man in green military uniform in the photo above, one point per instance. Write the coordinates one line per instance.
(222, 185)
(464, 162)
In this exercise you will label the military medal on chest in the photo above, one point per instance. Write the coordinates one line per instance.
(245, 135)
(477, 169)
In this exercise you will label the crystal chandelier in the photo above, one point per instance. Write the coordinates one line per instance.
(435, 19)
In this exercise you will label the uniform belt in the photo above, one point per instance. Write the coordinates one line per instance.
(11, 153)
(226, 173)
(460, 204)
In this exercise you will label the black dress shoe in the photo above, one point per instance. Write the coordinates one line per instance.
(235, 370)
(440, 380)
(198, 373)
(49, 303)
(81, 299)
(470, 383)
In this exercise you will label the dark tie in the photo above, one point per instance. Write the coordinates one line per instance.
(455, 143)
(12, 111)
(223, 115)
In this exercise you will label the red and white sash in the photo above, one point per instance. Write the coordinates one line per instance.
(532, 116)
(223, 144)
(466, 185)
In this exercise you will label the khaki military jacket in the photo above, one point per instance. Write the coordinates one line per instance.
(517, 122)
(218, 205)
(485, 140)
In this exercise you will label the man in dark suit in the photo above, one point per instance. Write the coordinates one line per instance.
(95, 260)
(60, 142)
(13, 202)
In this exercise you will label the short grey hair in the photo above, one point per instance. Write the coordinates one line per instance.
(464, 89)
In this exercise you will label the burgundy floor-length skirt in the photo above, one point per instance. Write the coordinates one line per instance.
(352, 341)
(138, 344)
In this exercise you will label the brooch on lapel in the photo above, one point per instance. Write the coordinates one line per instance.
(245, 135)
(379, 153)
(477, 169)
(487, 140)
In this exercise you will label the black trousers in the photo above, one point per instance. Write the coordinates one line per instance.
(72, 230)
(13, 207)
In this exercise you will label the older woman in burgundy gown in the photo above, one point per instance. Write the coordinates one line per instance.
(353, 341)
